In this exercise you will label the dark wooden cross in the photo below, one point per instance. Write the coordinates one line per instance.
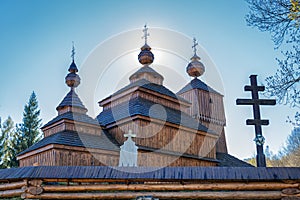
(257, 121)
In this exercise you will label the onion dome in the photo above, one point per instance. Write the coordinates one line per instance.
(72, 79)
(146, 57)
(195, 68)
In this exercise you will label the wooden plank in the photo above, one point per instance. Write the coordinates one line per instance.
(162, 195)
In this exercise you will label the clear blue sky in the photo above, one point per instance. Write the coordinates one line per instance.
(36, 36)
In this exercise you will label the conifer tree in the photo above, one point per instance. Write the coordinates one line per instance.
(7, 132)
(29, 129)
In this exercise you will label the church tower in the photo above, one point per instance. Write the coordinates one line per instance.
(72, 138)
(207, 104)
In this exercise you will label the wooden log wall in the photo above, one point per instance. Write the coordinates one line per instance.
(72, 157)
(67, 125)
(46, 158)
(156, 159)
(61, 155)
(161, 136)
(206, 106)
(173, 189)
(71, 109)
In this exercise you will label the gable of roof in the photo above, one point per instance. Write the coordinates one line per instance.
(143, 107)
(72, 138)
(197, 84)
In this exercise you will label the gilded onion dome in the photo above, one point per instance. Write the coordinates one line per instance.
(195, 68)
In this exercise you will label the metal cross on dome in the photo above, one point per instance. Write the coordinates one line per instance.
(146, 34)
(257, 121)
(195, 45)
(73, 51)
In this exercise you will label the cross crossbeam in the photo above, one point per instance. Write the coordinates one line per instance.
(257, 121)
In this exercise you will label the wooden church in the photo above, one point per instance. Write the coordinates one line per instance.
(171, 129)
(148, 143)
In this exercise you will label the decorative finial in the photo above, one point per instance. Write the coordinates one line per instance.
(146, 34)
(73, 51)
(195, 46)
(146, 57)
(72, 79)
(195, 68)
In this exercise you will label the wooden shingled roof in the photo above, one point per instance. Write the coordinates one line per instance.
(143, 83)
(72, 138)
(197, 84)
(140, 106)
(71, 99)
(152, 173)
(76, 117)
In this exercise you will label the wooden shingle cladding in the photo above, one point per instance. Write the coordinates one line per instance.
(155, 114)
(162, 135)
(167, 144)
(163, 158)
(206, 106)
(62, 155)
(71, 125)
(71, 121)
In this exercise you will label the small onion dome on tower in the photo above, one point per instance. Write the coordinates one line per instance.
(72, 79)
(195, 68)
(146, 57)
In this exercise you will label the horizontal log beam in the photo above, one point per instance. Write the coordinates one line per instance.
(15, 185)
(169, 187)
(161, 195)
(10, 193)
